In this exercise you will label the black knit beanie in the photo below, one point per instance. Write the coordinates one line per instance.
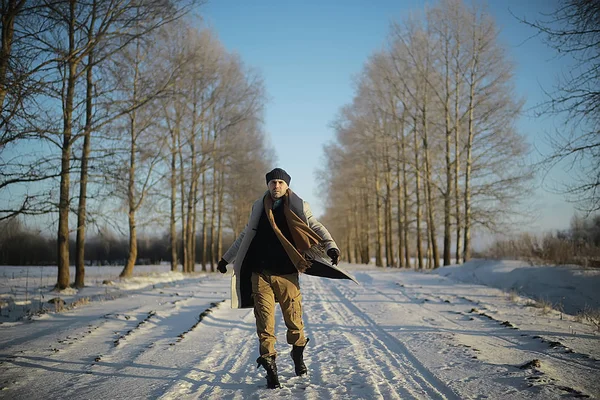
(278, 173)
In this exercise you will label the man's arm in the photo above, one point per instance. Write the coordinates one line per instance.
(318, 227)
(231, 253)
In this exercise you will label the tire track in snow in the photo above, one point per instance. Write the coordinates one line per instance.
(380, 347)
(507, 338)
(340, 358)
(132, 355)
(493, 335)
(71, 353)
(226, 368)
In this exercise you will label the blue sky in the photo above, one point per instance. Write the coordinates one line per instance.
(310, 51)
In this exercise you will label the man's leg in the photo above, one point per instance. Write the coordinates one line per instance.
(264, 312)
(287, 290)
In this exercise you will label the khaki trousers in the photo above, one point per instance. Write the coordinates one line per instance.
(267, 288)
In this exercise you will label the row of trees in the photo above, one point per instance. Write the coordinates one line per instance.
(137, 117)
(429, 136)
(20, 245)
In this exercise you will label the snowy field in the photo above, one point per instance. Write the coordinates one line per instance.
(479, 331)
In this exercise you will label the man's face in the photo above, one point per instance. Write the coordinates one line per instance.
(277, 187)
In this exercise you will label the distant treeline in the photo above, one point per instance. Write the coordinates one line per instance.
(20, 245)
(580, 244)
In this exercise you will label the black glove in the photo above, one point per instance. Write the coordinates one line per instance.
(334, 254)
(222, 266)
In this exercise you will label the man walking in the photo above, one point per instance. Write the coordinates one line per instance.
(281, 239)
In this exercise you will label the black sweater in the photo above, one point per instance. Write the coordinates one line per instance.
(266, 253)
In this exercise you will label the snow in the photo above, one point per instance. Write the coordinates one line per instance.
(571, 287)
(459, 332)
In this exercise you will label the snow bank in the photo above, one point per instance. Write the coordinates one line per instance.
(25, 291)
(572, 287)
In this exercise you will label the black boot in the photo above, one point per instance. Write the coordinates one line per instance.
(268, 363)
(298, 357)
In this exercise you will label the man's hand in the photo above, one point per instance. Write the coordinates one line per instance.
(222, 266)
(334, 254)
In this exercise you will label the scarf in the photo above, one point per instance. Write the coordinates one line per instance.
(304, 237)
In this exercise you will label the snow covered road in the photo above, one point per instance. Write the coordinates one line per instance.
(399, 335)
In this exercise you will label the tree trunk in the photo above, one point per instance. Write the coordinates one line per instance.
(429, 253)
(405, 195)
(469, 161)
(448, 192)
(213, 256)
(389, 241)
(195, 176)
(85, 155)
(184, 237)
(132, 256)
(400, 216)
(194, 224)
(348, 245)
(386, 231)
(418, 196)
(63, 205)
(457, 169)
(189, 223)
(204, 223)
(379, 231)
(133, 250)
(399, 194)
(220, 216)
(467, 242)
(428, 230)
(358, 248)
(8, 29)
(172, 221)
(428, 190)
(366, 254)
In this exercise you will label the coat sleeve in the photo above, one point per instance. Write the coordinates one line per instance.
(318, 227)
(231, 253)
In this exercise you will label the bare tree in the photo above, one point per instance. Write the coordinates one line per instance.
(10, 12)
(23, 63)
(573, 31)
(143, 79)
(83, 181)
(71, 65)
(446, 25)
